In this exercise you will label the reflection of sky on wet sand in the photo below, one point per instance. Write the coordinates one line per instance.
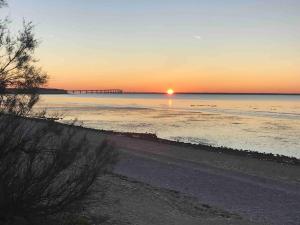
(262, 124)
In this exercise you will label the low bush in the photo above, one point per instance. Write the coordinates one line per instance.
(45, 167)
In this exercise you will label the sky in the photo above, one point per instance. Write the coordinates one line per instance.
(190, 45)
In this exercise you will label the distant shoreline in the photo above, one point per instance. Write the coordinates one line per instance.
(211, 93)
(184, 93)
(45, 91)
(41, 91)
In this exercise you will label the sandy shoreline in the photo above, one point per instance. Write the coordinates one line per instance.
(230, 151)
(260, 190)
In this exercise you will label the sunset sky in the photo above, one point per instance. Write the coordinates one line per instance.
(190, 45)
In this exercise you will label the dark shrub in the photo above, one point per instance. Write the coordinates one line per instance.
(45, 166)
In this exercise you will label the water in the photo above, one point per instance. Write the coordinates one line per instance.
(263, 123)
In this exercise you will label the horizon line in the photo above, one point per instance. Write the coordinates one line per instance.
(218, 93)
(194, 92)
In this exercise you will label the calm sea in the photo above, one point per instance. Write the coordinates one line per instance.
(264, 123)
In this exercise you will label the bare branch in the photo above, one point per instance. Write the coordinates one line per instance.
(18, 69)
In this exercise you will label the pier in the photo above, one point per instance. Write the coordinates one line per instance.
(108, 91)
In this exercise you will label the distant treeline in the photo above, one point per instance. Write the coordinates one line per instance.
(37, 90)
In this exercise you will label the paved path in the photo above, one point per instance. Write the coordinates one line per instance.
(258, 199)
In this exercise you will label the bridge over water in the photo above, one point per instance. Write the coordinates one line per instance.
(107, 91)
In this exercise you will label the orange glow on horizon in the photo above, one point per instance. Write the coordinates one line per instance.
(237, 77)
(210, 85)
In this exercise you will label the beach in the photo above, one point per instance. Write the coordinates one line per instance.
(242, 187)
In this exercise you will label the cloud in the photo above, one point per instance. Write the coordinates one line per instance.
(198, 37)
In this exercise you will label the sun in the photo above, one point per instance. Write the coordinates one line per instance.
(170, 91)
